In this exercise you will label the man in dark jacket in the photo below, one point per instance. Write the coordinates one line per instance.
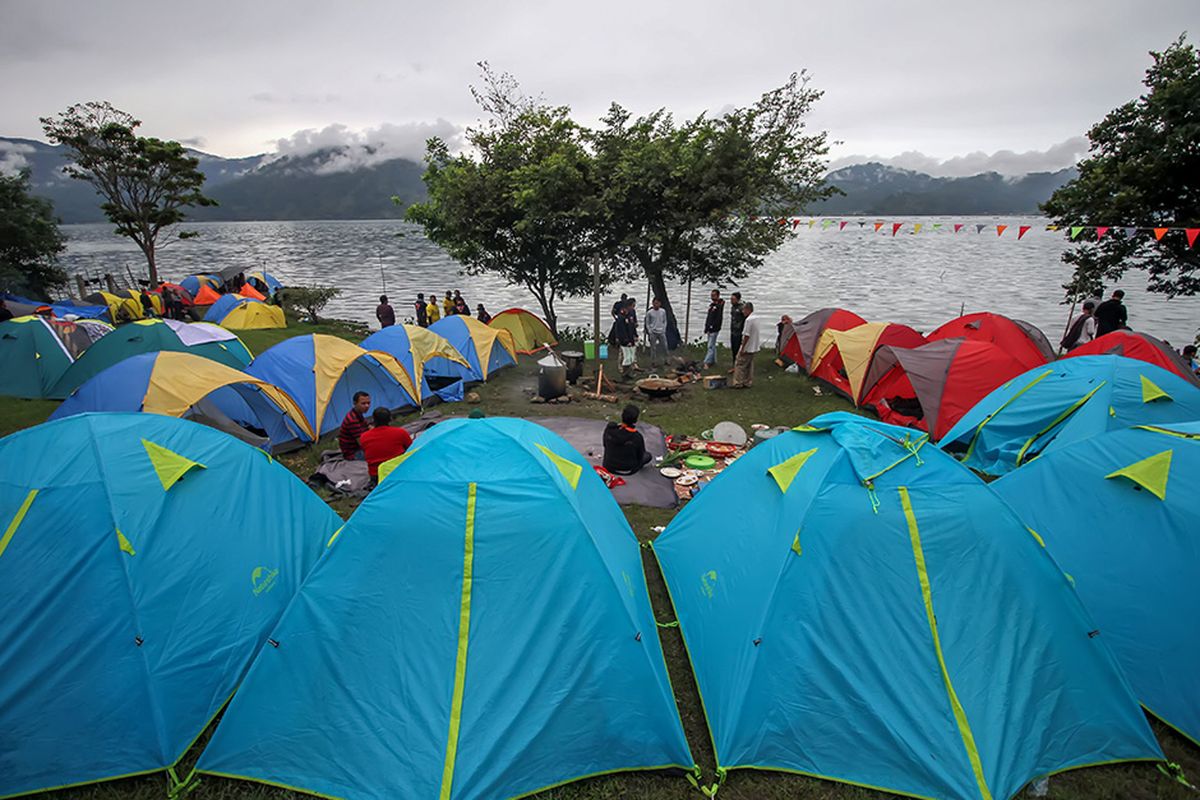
(736, 323)
(712, 326)
(1111, 315)
(385, 313)
(624, 448)
(422, 317)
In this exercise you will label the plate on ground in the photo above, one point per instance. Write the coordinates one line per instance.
(670, 472)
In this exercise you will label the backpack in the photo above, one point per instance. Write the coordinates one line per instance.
(1073, 332)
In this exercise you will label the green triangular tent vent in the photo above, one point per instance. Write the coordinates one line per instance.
(570, 470)
(785, 471)
(1151, 392)
(126, 545)
(1149, 473)
(168, 465)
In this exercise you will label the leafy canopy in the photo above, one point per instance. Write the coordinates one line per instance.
(146, 183)
(30, 240)
(1143, 171)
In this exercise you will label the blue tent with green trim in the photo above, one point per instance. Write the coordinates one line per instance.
(1063, 402)
(32, 357)
(1121, 515)
(497, 647)
(134, 596)
(859, 607)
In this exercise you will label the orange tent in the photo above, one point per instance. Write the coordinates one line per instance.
(206, 296)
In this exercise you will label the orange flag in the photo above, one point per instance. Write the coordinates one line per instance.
(896, 226)
(1021, 231)
(1000, 229)
(1159, 233)
(878, 225)
(1100, 232)
(1192, 233)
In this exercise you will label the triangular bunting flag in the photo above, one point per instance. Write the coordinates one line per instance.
(1149, 473)
(1103, 229)
(979, 228)
(861, 224)
(785, 471)
(1075, 231)
(1130, 232)
(1000, 229)
(812, 222)
(1021, 231)
(917, 227)
(570, 470)
(795, 224)
(825, 223)
(1051, 227)
(878, 225)
(1159, 233)
(958, 227)
(1151, 391)
(937, 226)
(842, 225)
(168, 465)
(896, 226)
(1192, 233)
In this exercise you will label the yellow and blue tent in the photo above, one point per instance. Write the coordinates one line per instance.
(1066, 401)
(194, 283)
(418, 350)
(1120, 513)
(264, 281)
(503, 646)
(235, 312)
(193, 387)
(121, 307)
(322, 374)
(529, 331)
(32, 357)
(485, 348)
(880, 617)
(134, 602)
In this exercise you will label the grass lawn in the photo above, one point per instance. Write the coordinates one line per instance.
(777, 398)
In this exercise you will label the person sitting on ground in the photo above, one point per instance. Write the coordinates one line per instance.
(433, 312)
(482, 314)
(422, 319)
(1082, 329)
(383, 442)
(385, 313)
(354, 425)
(624, 448)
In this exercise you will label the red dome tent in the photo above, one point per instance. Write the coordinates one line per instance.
(932, 386)
(1142, 346)
(842, 358)
(1019, 339)
(800, 338)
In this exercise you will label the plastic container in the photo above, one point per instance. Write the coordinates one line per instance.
(589, 350)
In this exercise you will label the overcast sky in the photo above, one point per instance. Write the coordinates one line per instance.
(952, 88)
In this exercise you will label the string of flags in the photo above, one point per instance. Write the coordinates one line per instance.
(1073, 232)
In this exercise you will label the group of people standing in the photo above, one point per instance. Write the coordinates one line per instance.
(1097, 320)
(427, 312)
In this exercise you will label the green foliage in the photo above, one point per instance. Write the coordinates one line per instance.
(145, 182)
(30, 240)
(1143, 171)
(307, 300)
(522, 204)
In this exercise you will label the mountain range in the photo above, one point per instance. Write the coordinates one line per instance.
(320, 186)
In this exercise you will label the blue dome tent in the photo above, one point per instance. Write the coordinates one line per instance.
(485, 348)
(424, 354)
(504, 645)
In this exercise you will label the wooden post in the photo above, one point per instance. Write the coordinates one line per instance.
(596, 314)
(1067, 329)
(687, 314)
(79, 285)
(112, 285)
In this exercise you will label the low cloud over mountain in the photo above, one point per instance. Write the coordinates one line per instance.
(1005, 162)
(346, 150)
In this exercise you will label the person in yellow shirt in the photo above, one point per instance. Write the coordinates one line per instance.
(432, 312)
(447, 304)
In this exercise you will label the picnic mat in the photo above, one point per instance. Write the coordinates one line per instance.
(646, 488)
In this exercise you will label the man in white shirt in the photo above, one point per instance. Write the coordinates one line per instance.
(743, 365)
(656, 331)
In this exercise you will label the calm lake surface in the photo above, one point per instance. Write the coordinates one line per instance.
(920, 280)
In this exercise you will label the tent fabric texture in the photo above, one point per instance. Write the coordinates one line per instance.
(930, 387)
(22, 306)
(193, 387)
(121, 307)
(133, 602)
(800, 340)
(79, 334)
(505, 645)
(1021, 340)
(1135, 562)
(32, 357)
(530, 333)
(1072, 399)
(322, 373)
(486, 349)
(416, 348)
(151, 336)
(1142, 346)
(843, 634)
(842, 358)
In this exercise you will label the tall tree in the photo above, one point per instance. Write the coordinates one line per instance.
(698, 200)
(521, 202)
(146, 183)
(1143, 171)
(30, 240)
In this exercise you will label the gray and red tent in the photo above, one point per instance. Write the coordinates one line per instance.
(1021, 340)
(1142, 346)
(799, 340)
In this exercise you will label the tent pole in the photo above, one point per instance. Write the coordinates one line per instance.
(687, 314)
(596, 314)
(1067, 329)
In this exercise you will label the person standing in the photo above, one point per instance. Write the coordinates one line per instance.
(712, 326)
(385, 313)
(743, 367)
(461, 308)
(736, 323)
(1082, 329)
(354, 425)
(482, 315)
(419, 307)
(432, 312)
(626, 334)
(656, 331)
(1112, 315)
(383, 442)
(447, 304)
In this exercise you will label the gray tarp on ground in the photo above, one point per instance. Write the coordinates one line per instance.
(646, 488)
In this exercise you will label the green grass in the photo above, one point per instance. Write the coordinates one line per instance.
(777, 398)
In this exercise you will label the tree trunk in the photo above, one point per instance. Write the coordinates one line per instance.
(547, 305)
(152, 268)
(658, 288)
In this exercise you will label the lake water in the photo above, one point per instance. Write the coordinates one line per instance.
(920, 279)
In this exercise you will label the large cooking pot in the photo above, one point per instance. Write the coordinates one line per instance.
(655, 386)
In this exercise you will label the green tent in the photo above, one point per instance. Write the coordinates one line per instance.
(32, 357)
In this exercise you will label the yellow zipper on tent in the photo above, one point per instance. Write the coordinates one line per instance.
(1074, 407)
(1004, 405)
(16, 520)
(460, 661)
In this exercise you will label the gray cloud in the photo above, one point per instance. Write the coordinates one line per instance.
(1006, 162)
(353, 149)
(295, 98)
(12, 158)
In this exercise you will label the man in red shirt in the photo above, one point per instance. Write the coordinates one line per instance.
(383, 442)
(353, 427)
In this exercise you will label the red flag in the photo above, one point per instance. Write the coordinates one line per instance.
(1021, 231)
(842, 225)
(1100, 232)
(878, 225)
(795, 224)
(958, 227)
(1000, 229)
(1159, 233)
(1191, 234)
(896, 226)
